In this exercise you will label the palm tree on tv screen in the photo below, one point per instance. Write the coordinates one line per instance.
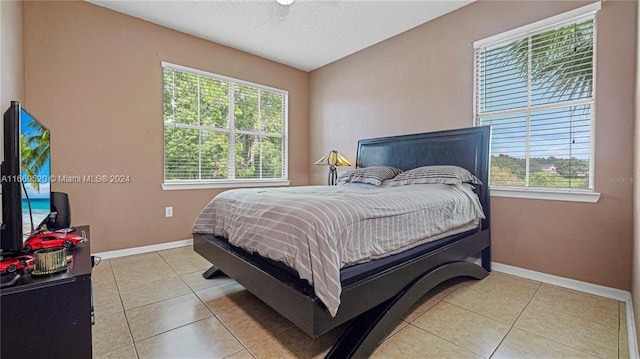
(34, 152)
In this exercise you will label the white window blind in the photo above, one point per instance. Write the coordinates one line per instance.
(219, 129)
(536, 90)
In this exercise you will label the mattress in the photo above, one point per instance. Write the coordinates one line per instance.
(317, 230)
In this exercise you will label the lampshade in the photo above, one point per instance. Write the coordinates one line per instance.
(333, 158)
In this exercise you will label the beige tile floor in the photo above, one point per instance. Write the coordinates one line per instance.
(157, 305)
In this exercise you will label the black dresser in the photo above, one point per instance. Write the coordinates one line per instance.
(50, 316)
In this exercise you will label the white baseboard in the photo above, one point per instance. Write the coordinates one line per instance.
(599, 290)
(145, 249)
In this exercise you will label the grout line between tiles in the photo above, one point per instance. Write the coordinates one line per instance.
(432, 295)
(483, 315)
(272, 336)
(468, 310)
(168, 330)
(217, 318)
(178, 327)
(234, 353)
(200, 273)
(563, 344)
(167, 262)
(448, 341)
(460, 285)
(586, 294)
(250, 352)
(579, 317)
(181, 295)
(618, 331)
(228, 329)
(118, 348)
(123, 313)
(390, 335)
(142, 305)
(184, 325)
(555, 341)
(515, 321)
(121, 302)
(135, 348)
(154, 302)
(456, 287)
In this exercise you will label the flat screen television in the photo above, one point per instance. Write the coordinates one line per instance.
(26, 170)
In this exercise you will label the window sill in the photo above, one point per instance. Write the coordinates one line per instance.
(180, 185)
(551, 195)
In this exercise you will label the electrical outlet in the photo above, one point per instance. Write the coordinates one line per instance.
(168, 211)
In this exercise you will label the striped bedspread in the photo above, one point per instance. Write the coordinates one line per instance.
(317, 230)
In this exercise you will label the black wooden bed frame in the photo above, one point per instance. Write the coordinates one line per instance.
(378, 301)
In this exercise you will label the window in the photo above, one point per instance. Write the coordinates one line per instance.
(536, 90)
(219, 130)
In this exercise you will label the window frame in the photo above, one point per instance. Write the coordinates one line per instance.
(546, 193)
(231, 131)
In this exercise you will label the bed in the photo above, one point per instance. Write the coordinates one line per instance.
(377, 293)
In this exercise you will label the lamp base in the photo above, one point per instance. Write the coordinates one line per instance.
(333, 176)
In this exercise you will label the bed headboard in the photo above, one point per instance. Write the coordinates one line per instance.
(465, 147)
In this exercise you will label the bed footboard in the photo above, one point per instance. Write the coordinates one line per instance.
(295, 299)
(371, 327)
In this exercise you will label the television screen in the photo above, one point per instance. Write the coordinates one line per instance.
(35, 170)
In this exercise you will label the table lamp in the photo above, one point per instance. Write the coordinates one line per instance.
(332, 159)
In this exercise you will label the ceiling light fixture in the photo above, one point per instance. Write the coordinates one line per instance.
(285, 2)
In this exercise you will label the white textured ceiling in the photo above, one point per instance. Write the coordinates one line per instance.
(306, 35)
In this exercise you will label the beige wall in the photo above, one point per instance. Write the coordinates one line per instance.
(94, 77)
(11, 54)
(11, 61)
(422, 80)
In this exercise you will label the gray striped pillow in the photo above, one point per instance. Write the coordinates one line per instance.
(435, 174)
(372, 175)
